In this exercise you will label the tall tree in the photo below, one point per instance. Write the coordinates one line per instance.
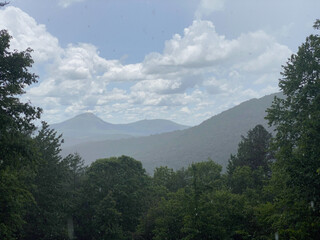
(251, 165)
(17, 150)
(297, 122)
(47, 218)
(253, 150)
(76, 170)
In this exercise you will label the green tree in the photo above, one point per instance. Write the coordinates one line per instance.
(253, 150)
(75, 170)
(221, 215)
(14, 77)
(170, 179)
(250, 167)
(205, 178)
(18, 155)
(296, 120)
(115, 188)
(47, 218)
(169, 216)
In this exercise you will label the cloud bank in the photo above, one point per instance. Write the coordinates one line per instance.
(199, 73)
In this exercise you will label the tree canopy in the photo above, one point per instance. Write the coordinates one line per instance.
(18, 155)
(296, 120)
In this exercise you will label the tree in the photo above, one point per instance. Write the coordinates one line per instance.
(253, 150)
(297, 122)
(250, 167)
(114, 188)
(171, 180)
(47, 218)
(14, 77)
(18, 155)
(75, 175)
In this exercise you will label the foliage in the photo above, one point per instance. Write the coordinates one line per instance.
(14, 77)
(253, 151)
(18, 155)
(296, 119)
(114, 188)
(250, 167)
(46, 219)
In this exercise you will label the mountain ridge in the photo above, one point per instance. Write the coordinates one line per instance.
(215, 138)
(88, 127)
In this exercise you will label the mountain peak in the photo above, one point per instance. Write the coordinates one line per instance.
(87, 126)
(86, 115)
(87, 122)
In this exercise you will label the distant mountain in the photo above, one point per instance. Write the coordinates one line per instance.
(215, 138)
(87, 127)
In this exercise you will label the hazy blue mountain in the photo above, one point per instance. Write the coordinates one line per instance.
(87, 127)
(149, 127)
(215, 138)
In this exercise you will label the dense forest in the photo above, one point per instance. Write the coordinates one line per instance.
(271, 188)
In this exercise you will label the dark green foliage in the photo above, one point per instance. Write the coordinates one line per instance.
(14, 77)
(220, 215)
(15, 117)
(47, 218)
(253, 150)
(296, 119)
(179, 213)
(14, 198)
(169, 216)
(170, 179)
(115, 189)
(250, 167)
(18, 154)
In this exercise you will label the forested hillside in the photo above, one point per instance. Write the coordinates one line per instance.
(271, 188)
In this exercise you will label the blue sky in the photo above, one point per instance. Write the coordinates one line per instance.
(127, 60)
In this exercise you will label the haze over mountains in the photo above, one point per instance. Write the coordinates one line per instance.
(215, 138)
(87, 127)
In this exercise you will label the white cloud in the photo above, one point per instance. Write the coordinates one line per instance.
(200, 72)
(27, 33)
(119, 73)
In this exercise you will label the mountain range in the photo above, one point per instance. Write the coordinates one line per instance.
(87, 127)
(215, 138)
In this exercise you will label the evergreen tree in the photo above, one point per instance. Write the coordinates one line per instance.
(253, 150)
(250, 167)
(47, 218)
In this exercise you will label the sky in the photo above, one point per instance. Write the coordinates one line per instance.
(129, 60)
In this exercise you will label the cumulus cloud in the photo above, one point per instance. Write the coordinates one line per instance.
(199, 73)
(27, 32)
